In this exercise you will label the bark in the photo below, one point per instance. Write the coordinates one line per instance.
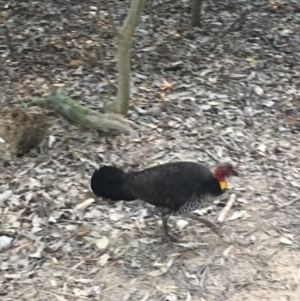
(196, 13)
(86, 117)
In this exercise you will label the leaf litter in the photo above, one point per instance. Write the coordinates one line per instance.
(222, 93)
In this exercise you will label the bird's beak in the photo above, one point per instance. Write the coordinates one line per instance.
(235, 173)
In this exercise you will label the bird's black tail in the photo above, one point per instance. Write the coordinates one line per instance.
(108, 182)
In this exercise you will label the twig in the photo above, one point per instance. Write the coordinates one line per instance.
(296, 199)
(66, 294)
(111, 19)
(227, 208)
(212, 156)
(100, 48)
(203, 275)
(238, 21)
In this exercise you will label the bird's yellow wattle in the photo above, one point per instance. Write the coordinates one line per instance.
(223, 185)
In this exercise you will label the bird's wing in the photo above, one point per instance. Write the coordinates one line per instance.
(170, 185)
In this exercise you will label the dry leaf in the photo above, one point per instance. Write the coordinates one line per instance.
(227, 251)
(236, 215)
(51, 141)
(286, 241)
(258, 90)
(251, 60)
(60, 298)
(171, 297)
(213, 79)
(5, 242)
(75, 63)
(155, 273)
(192, 244)
(181, 224)
(268, 103)
(165, 85)
(103, 259)
(290, 120)
(262, 147)
(12, 276)
(5, 196)
(188, 297)
(101, 242)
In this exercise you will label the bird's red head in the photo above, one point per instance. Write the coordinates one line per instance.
(222, 171)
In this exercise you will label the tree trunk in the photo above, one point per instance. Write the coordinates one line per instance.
(196, 13)
(120, 104)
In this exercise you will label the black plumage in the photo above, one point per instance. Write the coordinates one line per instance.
(173, 188)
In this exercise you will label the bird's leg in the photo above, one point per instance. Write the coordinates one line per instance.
(204, 221)
(164, 219)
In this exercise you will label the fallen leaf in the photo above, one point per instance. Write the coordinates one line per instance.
(39, 252)
(63, 187)
(5, 242)
(286, 241)
(101, 242)
(51, 140)
(251, 60)
(262, 147)
(155, 273)
(43, 170)
(268, 103)
(188, 297)
(165, 85)
(192, 244)
(213, 79)
(236, 215)
(290, 120)
(171, 297)
(59, 298)
(258, 90)
(181, 224)
(12, 276)
(5, 196)
(238, 76)
(103, 259)
(227, 251)
(75, 63)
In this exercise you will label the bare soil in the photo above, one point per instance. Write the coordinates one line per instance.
(227, 92)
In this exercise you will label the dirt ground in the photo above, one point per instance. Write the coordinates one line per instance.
(227, 92)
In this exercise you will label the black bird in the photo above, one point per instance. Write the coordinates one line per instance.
(173, 188)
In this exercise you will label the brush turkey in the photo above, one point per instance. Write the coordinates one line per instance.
(173, 188)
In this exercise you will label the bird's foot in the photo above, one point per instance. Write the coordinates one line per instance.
(170, 239)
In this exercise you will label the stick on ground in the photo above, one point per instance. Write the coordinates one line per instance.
(227, 208)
